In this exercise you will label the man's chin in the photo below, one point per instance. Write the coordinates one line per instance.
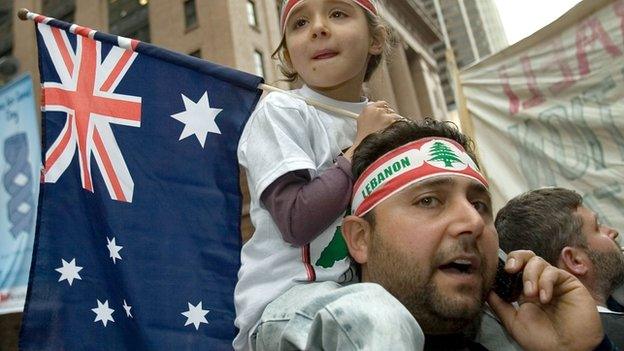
(462, 306)
(451, 313)
(459, 301)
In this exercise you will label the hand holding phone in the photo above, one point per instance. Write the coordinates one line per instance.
(507, 286)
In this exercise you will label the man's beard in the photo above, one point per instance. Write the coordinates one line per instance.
(609, 270)
(437, 312)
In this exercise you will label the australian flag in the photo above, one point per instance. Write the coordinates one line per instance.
(137, 241)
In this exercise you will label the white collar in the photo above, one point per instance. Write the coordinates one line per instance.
(602, 309)
(355, 107)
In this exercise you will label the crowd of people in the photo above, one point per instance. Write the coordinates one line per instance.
(379, 233)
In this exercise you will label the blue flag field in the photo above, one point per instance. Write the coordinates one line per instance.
(137, 240)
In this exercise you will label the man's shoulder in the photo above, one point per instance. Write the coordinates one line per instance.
(612, 317)
(492, 335)
(613, 324)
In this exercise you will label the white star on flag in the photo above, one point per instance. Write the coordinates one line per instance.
(103, 313)
(69, 271)
(199, 118)
(195, 315)
(127, 308)
(113, 249)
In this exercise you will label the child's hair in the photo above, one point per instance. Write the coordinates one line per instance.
(376, 26)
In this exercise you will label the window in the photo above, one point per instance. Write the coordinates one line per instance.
(129, 18)
(251, 13)
(190, 14)
(59, 9)
(196, 53)
(6, 28)
(258, 63)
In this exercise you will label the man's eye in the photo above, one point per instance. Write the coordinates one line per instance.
(427, 201)
(481, 206)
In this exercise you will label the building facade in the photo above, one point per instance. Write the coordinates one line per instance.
(472, 28)
(241, 34)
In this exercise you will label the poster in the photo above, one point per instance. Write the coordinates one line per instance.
(549, 110)
(19, 185)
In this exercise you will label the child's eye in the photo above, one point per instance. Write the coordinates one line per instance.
(299, 23)
(337, 14)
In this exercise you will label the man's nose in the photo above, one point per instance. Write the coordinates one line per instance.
(466, 220)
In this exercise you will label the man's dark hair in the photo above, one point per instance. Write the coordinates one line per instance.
(543, 221)
(400, 133)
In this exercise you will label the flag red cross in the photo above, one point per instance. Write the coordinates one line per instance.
(86, 95)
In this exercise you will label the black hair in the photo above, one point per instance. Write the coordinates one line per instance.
(543, 221)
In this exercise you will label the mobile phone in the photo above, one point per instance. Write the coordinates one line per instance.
(507, 286)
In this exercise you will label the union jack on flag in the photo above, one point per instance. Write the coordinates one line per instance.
(137, 245)
(86, 94)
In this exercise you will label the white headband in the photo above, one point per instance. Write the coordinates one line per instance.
(408, 164)
(289, 5)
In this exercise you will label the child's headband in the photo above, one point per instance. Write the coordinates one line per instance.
(419, 160)
(289, 5)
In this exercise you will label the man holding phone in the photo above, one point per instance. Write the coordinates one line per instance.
(422, 228)
(422, 233)
(554, 223)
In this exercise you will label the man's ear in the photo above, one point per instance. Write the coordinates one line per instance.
(574, 260)
(357, 234)
(378, 38)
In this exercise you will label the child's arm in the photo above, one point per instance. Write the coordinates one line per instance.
(302, 207)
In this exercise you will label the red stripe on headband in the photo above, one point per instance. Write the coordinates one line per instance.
(285, 11)
(362, 204)
(368, 6)
(401, 149)
(405, 180)
(289, 4)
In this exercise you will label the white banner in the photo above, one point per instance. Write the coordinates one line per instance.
(549, 111)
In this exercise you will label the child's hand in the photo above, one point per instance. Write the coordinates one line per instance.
(376, 116)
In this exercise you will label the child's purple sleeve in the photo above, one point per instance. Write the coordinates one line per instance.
(302, 207)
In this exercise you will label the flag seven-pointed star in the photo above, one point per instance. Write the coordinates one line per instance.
(127, 308)
(103, 313)
(69, 271)
(198, 119)
(86, 95)
(195, 315)
(113, 249)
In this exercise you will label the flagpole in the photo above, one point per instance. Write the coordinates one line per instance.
(315, 103)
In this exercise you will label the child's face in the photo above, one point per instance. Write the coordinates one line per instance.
(329, 43)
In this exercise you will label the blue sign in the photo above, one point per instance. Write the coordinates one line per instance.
(19, 187)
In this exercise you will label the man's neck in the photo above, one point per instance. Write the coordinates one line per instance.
(601, 300)
(451, 342)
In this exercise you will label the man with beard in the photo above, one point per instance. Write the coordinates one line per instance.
(553, 223)
(423, 236)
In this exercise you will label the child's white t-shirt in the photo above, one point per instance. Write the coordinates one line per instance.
(285, 134)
